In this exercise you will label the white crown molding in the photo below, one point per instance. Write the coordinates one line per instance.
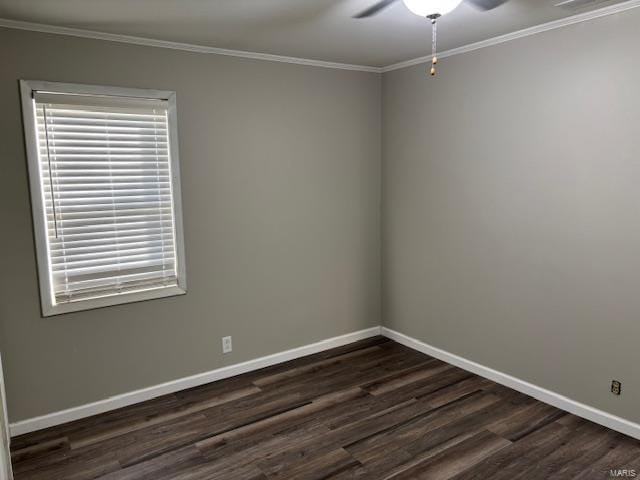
(151, 42)
(598, 416)
(137, 396)
(188, 47)
(545, 27)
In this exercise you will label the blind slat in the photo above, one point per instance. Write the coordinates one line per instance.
(71, 244)
(92, 255)
(101, 207)
(101, 287)
(111, 269)
(110, 236)
(120, 260)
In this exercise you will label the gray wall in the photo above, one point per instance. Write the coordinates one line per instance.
(511, 214)
(281, 197)
(511, 208)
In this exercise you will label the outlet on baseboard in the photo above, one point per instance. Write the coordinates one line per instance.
(227, 346)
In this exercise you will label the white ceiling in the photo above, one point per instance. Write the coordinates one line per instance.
(312, 29)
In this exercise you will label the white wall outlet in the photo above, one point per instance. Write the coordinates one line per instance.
(226, 345)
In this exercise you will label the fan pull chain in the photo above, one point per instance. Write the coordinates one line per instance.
(434, 44)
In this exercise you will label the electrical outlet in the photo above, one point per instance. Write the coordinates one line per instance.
(226, 345)
(616, 387)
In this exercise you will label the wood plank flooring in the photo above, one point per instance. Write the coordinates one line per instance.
(370, 410)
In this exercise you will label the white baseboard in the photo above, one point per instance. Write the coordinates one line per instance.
(547, 396)
(552, 398)
(126, 399)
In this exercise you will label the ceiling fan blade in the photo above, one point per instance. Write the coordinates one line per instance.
(486, 4)
(372, 10)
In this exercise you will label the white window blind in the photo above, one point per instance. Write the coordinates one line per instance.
(107, 191)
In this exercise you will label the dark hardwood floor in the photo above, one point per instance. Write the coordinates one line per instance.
(370, 410)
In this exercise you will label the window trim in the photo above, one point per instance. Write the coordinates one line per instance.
(49, 308)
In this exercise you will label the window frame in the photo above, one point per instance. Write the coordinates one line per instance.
(47, 298)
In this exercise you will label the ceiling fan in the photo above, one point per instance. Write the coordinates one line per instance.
(431, 9)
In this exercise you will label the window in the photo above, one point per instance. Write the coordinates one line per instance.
(105, 194)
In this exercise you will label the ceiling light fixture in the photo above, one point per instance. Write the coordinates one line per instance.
(426, 8)
(432, 9)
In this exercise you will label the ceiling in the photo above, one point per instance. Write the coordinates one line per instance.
(312, 29)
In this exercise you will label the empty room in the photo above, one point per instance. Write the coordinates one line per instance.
(321, 239)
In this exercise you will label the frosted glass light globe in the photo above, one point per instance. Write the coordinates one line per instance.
(424, 8)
